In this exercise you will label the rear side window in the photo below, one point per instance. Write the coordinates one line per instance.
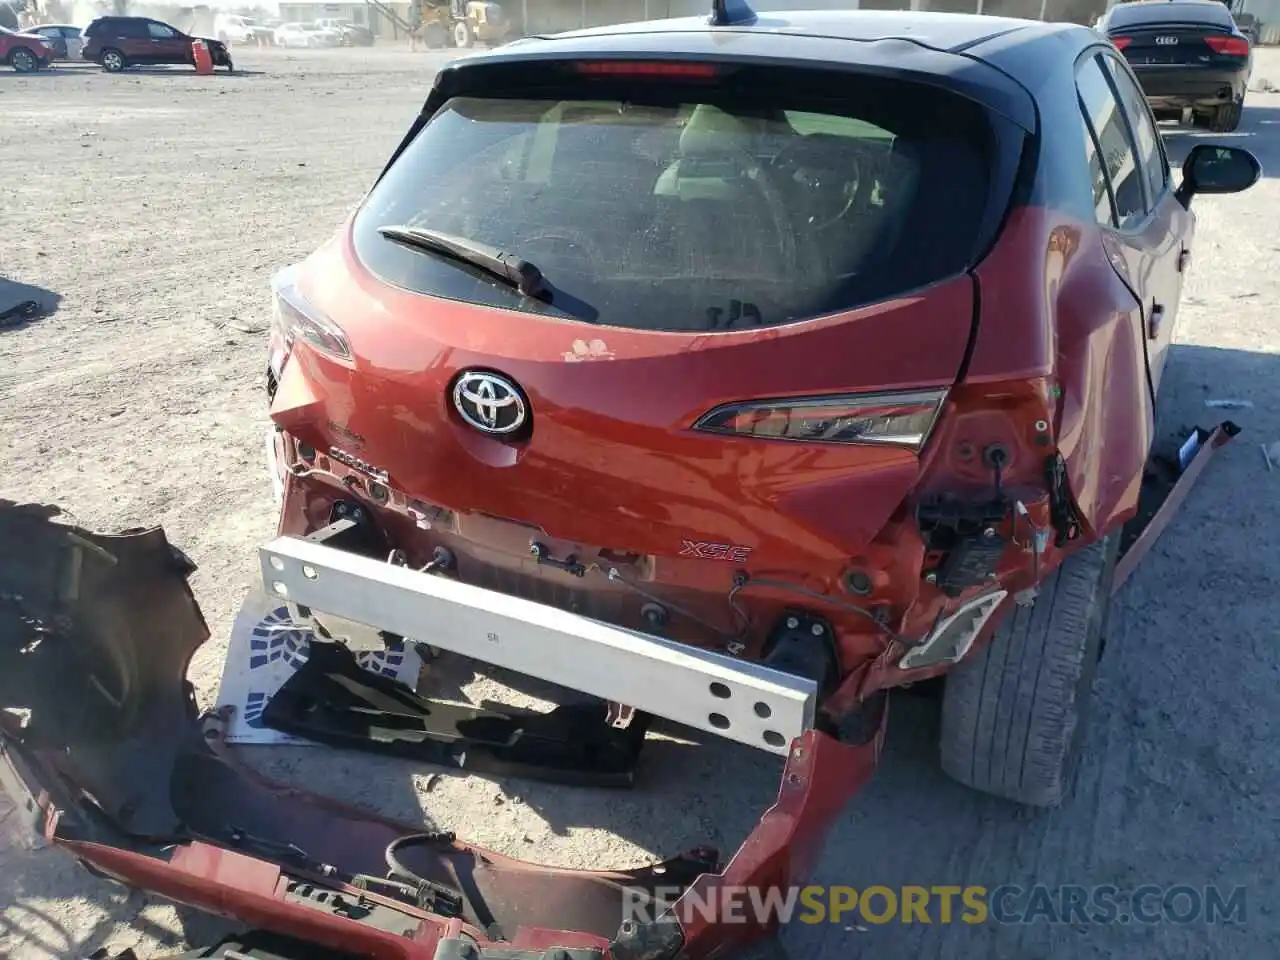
(1106, 126)
(1150, 149)
(689, 207)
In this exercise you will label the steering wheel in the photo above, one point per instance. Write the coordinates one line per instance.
(758, 175)
(809, 165)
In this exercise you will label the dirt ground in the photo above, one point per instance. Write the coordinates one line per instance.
(153, 208)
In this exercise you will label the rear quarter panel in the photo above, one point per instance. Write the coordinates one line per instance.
(1052, 304)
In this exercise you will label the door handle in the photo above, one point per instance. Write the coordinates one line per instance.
(1155, 320)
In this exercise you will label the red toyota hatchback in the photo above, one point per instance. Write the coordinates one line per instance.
(826, 341)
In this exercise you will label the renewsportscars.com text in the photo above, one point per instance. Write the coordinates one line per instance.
(944, 904)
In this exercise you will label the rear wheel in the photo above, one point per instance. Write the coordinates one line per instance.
(1226, 118)
(435, 35)
(112, 61)
(1013, 716)
(24, 61)
(462, 34)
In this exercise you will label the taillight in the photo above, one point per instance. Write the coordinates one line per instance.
(1230, 46)
(621, 68)
(888, 419)
(293, 317)
(1121, 42)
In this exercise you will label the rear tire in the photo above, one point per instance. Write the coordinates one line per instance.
(1226, 118)
(462, 35)
(436, 36)
(1013, 715)
(23, 61)
(112, 60)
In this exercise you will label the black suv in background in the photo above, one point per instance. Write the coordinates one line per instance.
(119, 42)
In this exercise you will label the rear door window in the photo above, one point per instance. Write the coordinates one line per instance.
(1106, 123)
(688, 207)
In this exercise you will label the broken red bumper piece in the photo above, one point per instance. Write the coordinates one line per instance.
(114, 764)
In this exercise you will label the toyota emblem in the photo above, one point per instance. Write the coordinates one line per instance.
(490, 403)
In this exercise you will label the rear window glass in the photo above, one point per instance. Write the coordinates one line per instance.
(689, 208)
(1139, 14)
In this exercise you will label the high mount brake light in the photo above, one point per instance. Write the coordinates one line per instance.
(1230, 46)
(885, 419)
(619, 68)
(292, 317)
(1121, 42)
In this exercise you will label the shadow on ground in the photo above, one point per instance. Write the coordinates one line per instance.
(1259, 133)
(178, 70)
(14, 295)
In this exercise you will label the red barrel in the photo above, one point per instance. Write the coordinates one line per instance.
(203, 58)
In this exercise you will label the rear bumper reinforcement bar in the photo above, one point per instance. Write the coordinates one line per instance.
(743, 701)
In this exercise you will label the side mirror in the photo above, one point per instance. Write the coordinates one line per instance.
(1214, 169)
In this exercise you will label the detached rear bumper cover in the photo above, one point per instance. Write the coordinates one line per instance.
(116, 766)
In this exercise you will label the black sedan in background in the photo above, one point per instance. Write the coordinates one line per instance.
(1192, 60)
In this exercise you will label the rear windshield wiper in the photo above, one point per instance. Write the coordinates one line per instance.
(507, 267)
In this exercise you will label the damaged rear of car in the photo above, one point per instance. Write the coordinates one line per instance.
(661, 334)
(729, 373)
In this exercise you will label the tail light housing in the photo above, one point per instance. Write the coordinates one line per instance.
(883, 419)
(1228, 46)
(294, 318)
(1121, 42)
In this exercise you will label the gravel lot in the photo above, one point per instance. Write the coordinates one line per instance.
(153, 207)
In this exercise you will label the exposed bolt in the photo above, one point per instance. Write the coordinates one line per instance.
(654, 614)
(931, 577)
(858, 582)
(989, 532)
(817, 630)
(793, 622)
(1042, 426)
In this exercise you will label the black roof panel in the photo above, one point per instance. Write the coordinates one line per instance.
(941, 48)
(940, 31)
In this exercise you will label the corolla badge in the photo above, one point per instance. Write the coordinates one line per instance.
(490, 403)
